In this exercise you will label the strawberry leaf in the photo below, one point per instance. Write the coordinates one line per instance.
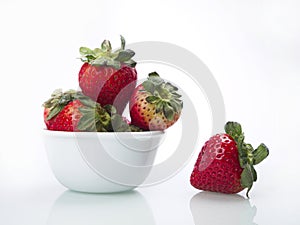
(130, 63)
(162, 92)
(248, 176)
(99, 62)
(87, 122)
(86, 51)
(110, 109)
(155, 79)
(153, 74)
(118, 124)
(148, 86)
(152, 99)
(170, 87)
(113, 63)
(122, 42)
(87, 102)
(176, 95)
(125, 55)
(234, 129)
(98, 52)
(175, 105)
(94, 118)
(54, 111)
(106, 46)
(104, 56)
(65, 99)
(87, 58)
(168, 112)
(159, 106)
(260, 153)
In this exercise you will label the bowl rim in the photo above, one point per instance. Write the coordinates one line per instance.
(106, 134)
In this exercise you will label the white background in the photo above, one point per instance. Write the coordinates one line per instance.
(251, 47)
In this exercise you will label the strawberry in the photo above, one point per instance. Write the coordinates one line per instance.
(155, 104)
(226, 164)
(73, 111)
(108, 77)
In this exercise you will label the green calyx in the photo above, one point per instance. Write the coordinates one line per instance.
(93, 116)
(248, 156)
(60, 99)
(105, 56)
(164, 95)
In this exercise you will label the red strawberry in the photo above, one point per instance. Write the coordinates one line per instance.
(155, 104)
(67, 119)
(108, 77)
(73, 111)
(226, 164)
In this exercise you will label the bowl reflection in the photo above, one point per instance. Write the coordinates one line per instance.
(110, 209)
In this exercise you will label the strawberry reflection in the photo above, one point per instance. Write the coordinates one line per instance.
(215, 208)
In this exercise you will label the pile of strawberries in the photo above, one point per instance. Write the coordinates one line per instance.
(108, 80)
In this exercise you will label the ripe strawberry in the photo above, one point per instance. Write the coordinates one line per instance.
(67, 119)
(226, 164)
(155, 104)
(73, 111)
(108, 77)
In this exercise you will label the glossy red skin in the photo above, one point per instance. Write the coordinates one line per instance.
(67, 119)
(107, 85)
(217, 167)
(143, 114)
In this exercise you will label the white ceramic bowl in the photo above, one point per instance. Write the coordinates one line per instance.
(101, 162)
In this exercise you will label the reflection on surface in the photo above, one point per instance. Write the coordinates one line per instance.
(213, 209)
(90, 209)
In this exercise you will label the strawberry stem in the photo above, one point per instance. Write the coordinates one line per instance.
(164, 95)
(104, 56)
(248, 157)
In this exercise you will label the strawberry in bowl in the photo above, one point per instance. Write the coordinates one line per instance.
(73, 111)
(155, 104)
(107, 76)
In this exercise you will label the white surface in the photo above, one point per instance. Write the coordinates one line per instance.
(251, 47)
